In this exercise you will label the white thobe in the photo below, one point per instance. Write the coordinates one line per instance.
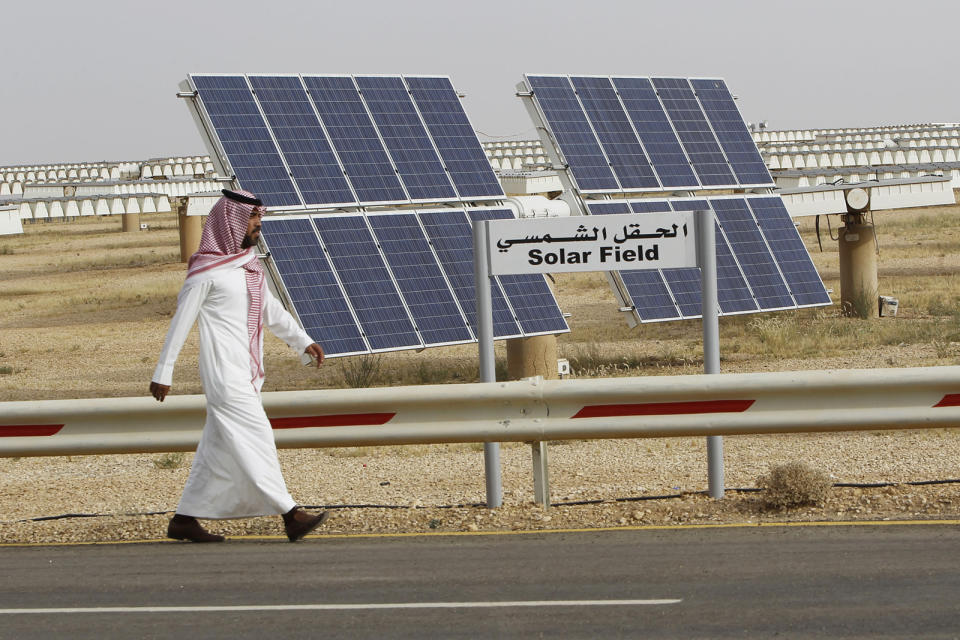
(235, 472)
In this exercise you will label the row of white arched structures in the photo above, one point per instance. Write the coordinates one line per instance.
(854, 134)
(47, 201)
(14, 178)
(105, 205)
(872, 157)
(830, 175)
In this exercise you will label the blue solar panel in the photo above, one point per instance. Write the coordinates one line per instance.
(694, 132)
(301, 140)
(245, 139)
(355, 139)
(732, 133)
(454, 137)
(419, 278)
(615, 133)
(373, 294)
(573, 134)
(608, 208)
(655, 131)
(406, 139)
(649, 206)
(750, 249)
(733, 294)
(311, 285)
(792, 257)
(452, 238)
(528, 293)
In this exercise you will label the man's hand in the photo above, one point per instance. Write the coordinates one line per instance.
(160, 391)
(315, 351)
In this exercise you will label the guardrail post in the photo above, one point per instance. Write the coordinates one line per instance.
(541, 473)
(707, 259)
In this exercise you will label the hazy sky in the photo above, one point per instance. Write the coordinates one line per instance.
(96, 80)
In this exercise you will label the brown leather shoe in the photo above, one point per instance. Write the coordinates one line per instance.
(299, 523)
(187, 528)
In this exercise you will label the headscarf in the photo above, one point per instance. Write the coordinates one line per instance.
(220, 248)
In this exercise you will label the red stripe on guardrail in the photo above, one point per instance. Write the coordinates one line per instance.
(26, 430)
(663, 408)
(337, 420)
(949, 400)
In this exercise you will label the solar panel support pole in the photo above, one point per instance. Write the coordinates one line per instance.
(488, 371)
(707, 260)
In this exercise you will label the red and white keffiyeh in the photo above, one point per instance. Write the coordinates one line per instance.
(220, 242)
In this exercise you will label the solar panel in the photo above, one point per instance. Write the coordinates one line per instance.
(301, 139)
(406, 139)
(694, 132)
(367, 282)
(452, 238)
(733, 294)
(655, 131)
(311, 285)
(787, 247)
(454, 137)
(732, 133)
(355, 139)
(762, 264)
(572, 131)
(528, 293)
(615, 133)
(419, 278)
(245, 139)
(752, 254)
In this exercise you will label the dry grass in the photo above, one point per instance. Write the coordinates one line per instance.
(792, 485)
(84, 309)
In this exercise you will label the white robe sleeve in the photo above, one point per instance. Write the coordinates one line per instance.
(283, 325)
(188, 308)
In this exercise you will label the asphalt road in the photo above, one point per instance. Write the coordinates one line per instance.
(813, 582)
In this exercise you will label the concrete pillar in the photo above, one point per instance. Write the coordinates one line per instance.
(190, 230)
(858, 271)
(130, 221)
(536, 356)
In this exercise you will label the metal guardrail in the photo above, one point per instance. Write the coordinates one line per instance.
(533, 410)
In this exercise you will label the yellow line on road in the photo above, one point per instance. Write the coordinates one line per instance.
(425, 534)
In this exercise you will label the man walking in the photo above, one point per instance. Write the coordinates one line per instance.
(235, 472)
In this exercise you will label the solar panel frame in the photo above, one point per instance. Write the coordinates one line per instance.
(597, 96)
(450, 233)
(704, 151)
(752, 254)
(345, 127)
(597, 171)
(331, 329)
(459, 159)
(299, 139)
(387, 327)
(734, 138)
(400, 132)
(803, 281)
(661, 142)
(412, 260)
(232, 152)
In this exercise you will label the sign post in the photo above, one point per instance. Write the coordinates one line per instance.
(595, 243)
(488, 369)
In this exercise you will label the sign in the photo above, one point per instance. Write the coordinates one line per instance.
(593, 243)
